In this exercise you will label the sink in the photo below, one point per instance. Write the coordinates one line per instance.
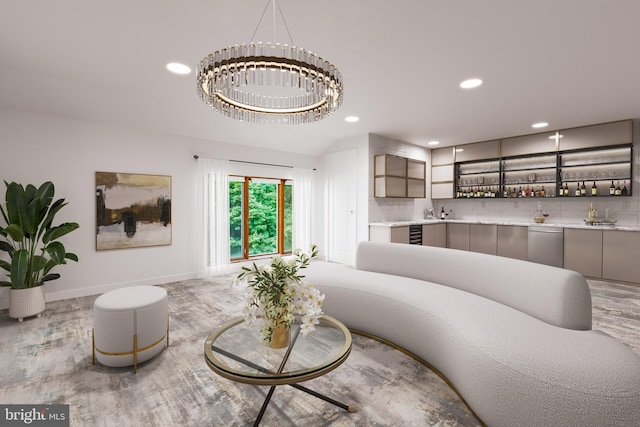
(601, 223)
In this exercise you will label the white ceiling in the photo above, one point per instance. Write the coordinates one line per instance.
(566, 62)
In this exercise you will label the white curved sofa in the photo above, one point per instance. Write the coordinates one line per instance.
(514, 338)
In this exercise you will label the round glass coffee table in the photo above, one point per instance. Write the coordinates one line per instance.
(235, 351)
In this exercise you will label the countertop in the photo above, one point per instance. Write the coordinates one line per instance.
(504, 222)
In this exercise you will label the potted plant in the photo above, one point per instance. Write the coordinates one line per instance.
(277, 293)
(31, 241)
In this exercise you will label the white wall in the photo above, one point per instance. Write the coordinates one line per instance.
(392, 209)
(38, 148)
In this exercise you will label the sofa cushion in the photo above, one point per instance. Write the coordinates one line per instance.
(557, 296)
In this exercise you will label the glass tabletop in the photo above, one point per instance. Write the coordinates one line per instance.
(235, 351)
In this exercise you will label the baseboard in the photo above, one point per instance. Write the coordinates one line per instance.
(97, 290)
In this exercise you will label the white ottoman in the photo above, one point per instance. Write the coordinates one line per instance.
(130, 325)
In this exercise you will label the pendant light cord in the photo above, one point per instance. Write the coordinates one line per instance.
(274, 4)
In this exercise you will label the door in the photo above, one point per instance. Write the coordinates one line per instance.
(341, 214)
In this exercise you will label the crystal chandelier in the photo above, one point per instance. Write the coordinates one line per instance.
(269, 82)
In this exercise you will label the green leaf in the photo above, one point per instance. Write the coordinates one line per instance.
(56, 251)
(15, 231)
(39, 262)
(5, 284)
(15, 202)
(53, 210)
(19, 268)
(45, 193)
(49, 277)
(55, 233)
(72, 257)
(6, 247)
(5, 265)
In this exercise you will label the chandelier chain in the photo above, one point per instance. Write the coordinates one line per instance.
(274, 4)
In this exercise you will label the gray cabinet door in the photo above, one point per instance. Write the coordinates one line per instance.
(583, 251)
(601, 135)
(620, 255)
(400, 234)
(458, 236)
(483, 238)
(513, 241)
(434, 235)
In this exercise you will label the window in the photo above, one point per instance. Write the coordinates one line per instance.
(260, 216)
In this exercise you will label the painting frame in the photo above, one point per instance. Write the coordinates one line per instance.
(133, 210)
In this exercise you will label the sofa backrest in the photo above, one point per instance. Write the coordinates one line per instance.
(554, 295)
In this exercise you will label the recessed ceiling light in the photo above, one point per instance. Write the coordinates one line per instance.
(470, 83)
(540, 125)
(433, 142)
(178, 68)
(351, 119)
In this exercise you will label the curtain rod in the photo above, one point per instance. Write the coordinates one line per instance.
(195, 156)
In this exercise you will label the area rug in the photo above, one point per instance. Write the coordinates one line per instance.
(48, 360)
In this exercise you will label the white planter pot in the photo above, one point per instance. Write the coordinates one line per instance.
(26, 302)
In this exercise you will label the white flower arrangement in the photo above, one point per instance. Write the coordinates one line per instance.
(277, 294)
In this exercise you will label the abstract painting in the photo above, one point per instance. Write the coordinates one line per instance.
(132, 210)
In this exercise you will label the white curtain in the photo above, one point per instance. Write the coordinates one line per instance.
(302, 196)
(213, 217)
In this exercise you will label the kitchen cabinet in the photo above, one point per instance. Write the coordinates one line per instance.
(603, 168)
(416, 178)
(478, 179)
(530, 175)
(434, 235)
(583, 251)
(600, 135)
(442, 173)
(483, 238)
(513, 241)
(458, 236)
(538, 143)
(620, 255)
(549, 164)
(382, 233)
(478, 151)
(399, 177)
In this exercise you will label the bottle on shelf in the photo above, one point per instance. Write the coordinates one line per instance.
(583, 190)
(618, 191)
(443, 215)
(624, 189)
(527, 191)
(542, 192)
(594, 189)
(612, 189)
(561, 189)
(566, 189)
(592, 214)
(578, 190)
(520, 192)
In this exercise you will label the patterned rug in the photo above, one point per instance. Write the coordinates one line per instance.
(48, 360)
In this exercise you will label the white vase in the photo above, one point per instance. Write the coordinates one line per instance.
(26, 302)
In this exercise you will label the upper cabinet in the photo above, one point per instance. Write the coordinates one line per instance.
(442, 160)
(478, 151)
(397, 176)
(529, 144)
(592, 160)
(607, 134)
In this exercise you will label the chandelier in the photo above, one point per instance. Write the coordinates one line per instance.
(269, 82)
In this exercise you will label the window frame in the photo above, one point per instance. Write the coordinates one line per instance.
(280, 215)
